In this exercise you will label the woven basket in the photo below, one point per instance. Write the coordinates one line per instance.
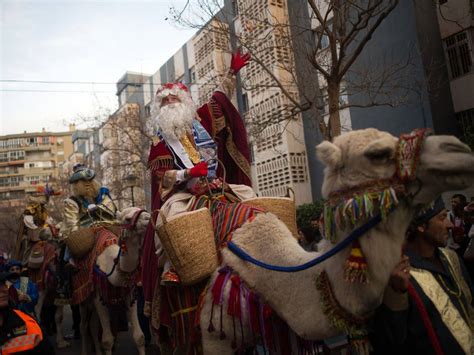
(283, 207)
(81, 242)
(188, 240)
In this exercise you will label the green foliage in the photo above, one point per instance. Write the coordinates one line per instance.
(308, 212)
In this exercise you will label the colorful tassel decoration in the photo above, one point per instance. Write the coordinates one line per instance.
(356, 265)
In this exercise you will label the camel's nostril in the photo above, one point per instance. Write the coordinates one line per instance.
(455, 148)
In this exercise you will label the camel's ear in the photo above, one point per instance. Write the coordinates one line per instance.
(380, 150)
(118, 215)
(330, 154)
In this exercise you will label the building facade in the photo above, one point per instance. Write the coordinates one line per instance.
(437, 81)
(279, 159)
(456, 23)
(30, 160)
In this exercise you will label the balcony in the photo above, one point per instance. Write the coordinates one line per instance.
(37, 147)
(13, 162)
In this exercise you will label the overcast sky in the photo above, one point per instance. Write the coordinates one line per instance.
(76, 41)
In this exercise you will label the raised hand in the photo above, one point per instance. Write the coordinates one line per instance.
(238, 61)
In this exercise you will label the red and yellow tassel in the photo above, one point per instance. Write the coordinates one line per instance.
(356, 266)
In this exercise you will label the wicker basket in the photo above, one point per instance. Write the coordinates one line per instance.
(283, 207)
(81, 242)
(188, 240)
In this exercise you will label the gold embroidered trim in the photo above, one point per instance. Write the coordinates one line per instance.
(190, 149)
(214, 110)
(165, 161)
(236, 155)
(219, 124)
(450, 315)
(453, 260)
(184, 311)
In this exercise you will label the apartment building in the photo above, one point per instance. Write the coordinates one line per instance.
(283, 149)
(456, 23)
(278, 145)
(279, 158)
(30, 160)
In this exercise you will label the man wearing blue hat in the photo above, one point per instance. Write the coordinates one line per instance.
(26, 289)
(427, 306)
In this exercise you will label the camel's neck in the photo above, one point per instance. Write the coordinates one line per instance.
(292, 295)
(382, 248)
(129, 258)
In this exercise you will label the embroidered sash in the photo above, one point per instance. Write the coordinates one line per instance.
(449, 314)
(206, 148)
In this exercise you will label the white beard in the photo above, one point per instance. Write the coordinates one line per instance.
(174, 120)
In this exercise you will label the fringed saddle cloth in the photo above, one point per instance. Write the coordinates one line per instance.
(179, 304)
(82, 281)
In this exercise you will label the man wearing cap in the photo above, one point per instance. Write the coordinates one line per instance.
(19, 332)
(26, 289)
(89, 201)
(427, 306)
(191, 149)
(36, 225)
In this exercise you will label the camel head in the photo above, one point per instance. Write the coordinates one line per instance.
(359, 157)
(370, 172)
(129, 216)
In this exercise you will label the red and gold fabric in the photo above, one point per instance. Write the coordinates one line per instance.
(83, 280)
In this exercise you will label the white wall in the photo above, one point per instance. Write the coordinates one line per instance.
(453, 16)
(462, 90)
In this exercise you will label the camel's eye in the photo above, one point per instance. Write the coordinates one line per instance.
(379, 155)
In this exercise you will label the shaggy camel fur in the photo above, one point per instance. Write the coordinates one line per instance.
(354, 158)
(128, 263)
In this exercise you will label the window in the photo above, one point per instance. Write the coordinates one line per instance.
(147, 111)
(235, 7)
(245, 102)
(458, 53)
(466, 124)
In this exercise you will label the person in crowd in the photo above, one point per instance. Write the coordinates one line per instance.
(427, 306)
(36, 225)
(19, 332)
(310, 237)
(458, 239)
(2, 261)
(26, 289)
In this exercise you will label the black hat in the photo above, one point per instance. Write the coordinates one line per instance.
(426, 214)
(4, 276)
(80, 172)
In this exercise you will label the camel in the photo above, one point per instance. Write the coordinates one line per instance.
(118, 274)
(353, 159)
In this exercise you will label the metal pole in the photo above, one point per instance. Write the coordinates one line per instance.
(133, 200)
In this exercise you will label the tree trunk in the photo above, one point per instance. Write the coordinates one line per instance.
(334, 123)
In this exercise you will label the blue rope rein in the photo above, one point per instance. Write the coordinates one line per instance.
(356, 233)
(116, 261)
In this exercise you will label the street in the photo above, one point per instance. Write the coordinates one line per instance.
(124, 344)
